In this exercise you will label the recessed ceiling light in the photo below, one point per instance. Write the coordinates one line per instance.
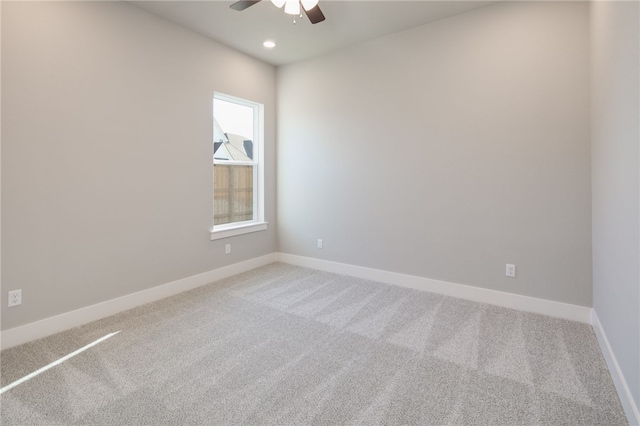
(269, 44)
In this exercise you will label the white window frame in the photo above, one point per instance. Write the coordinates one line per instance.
(257, 224)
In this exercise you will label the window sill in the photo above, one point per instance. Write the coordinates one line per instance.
(238, 230)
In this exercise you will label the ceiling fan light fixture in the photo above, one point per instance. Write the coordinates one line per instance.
(308, 4)
(278, 3)
(292, 7)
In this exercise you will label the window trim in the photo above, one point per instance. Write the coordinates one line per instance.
(239, 228)
(258, 223)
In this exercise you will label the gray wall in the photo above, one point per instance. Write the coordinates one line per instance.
(615, 145)
(447, 151)
(106, 153)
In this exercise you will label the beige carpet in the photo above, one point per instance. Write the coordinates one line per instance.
(283, 345)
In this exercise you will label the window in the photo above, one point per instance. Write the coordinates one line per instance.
(238, 198)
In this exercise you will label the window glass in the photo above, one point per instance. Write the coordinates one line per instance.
(236, 161)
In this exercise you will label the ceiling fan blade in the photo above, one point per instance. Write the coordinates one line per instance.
(243, 4)
(314, 14)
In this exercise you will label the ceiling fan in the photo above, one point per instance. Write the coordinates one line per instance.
(292, 7)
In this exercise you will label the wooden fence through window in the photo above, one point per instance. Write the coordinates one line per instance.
(232, 193)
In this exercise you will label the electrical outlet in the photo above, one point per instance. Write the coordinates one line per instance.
(15, 298)
(319, 243)
(511, 270)
(227, 249)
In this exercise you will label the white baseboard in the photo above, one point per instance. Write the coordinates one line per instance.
(476, 294)
(65, 321)
(626, 399)
(48, 326)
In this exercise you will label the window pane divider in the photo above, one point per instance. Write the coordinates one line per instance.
(234, 163)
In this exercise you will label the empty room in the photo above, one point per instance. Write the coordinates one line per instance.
(292, 212)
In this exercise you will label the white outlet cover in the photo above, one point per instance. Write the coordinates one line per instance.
(15, 298)
(511, 270)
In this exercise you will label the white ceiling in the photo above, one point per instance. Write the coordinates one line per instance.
(347, 22)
